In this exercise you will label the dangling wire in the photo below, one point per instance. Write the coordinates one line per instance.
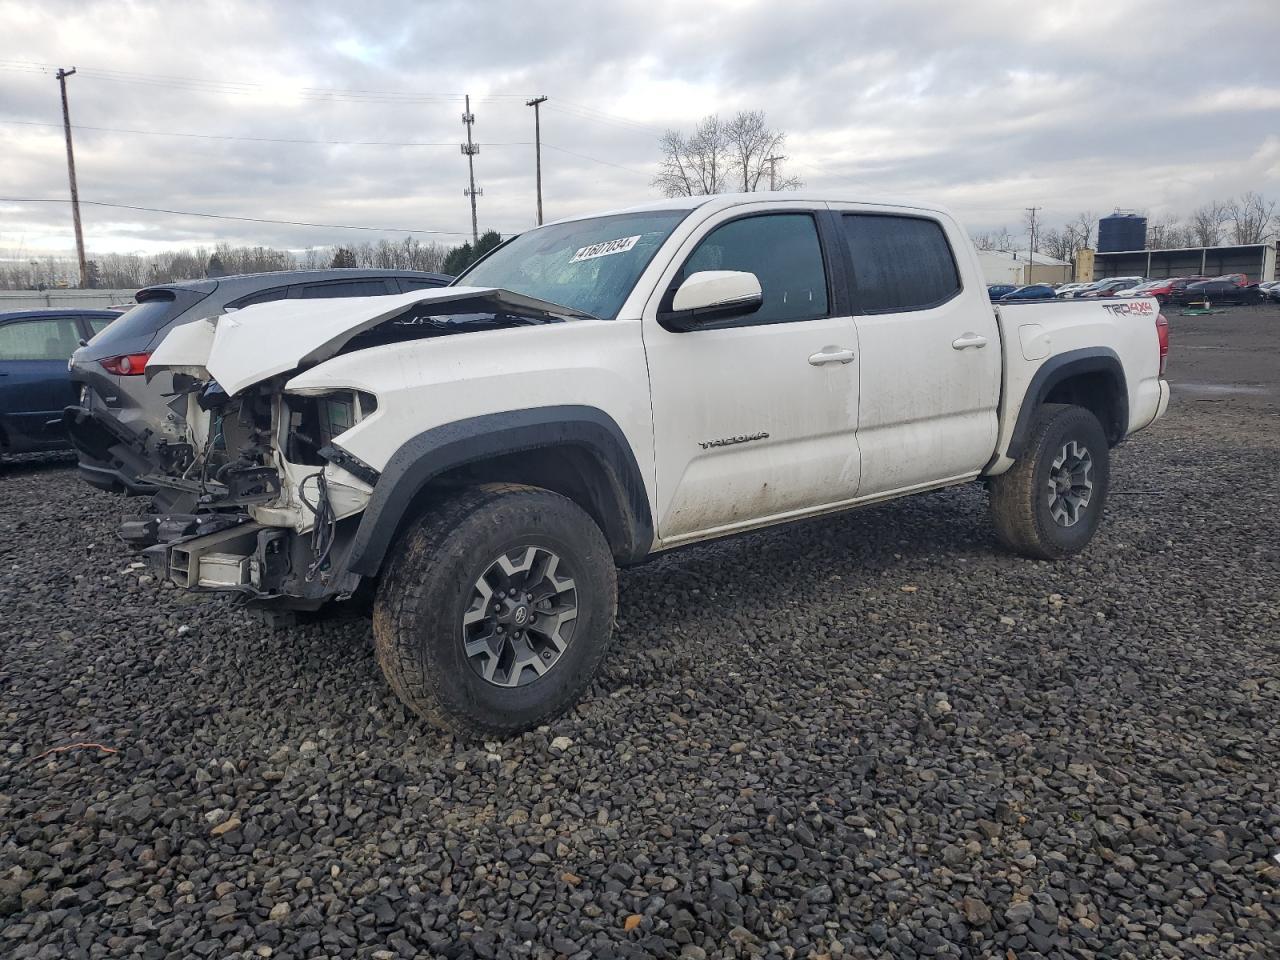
(322, 534)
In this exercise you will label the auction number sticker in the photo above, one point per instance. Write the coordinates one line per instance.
(608, 248)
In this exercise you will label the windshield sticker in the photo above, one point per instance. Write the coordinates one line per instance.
(621, 245)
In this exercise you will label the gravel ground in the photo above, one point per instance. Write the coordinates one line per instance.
(875, 735)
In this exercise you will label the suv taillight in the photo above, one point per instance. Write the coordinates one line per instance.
(1162, 332)
(126, 365)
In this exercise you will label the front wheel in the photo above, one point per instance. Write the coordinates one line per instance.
(496, 610)
(1049, 503)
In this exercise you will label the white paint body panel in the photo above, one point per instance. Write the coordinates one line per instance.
(1085, 325)
(753, 381)
(427, 383)
(928, 410)
(267, 339)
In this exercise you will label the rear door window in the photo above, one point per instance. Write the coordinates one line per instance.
(343, 288)
(46, 338)
(899, 263)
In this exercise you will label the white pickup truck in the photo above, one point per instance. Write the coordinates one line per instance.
(480, 456)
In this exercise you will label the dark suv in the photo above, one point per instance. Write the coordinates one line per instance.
(123, 424)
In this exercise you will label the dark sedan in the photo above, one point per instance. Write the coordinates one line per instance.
(997, 290)
(35, 385)
(1035, 291)
(1217, 291)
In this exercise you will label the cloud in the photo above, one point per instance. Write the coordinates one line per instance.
(988, 106)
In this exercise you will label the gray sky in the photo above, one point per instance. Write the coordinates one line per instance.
(987, 106)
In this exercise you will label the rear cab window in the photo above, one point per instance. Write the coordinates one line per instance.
(900, 263)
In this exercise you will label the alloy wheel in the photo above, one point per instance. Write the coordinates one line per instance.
(1070, 483)
(520, 617)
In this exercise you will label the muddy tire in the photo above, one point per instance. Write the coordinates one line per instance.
(1049, 503)
(496, 609)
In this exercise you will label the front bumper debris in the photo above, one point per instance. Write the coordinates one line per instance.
(113, 456)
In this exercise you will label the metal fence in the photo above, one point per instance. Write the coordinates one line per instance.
(12, 300)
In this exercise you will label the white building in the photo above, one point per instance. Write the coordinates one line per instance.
(1010, 266)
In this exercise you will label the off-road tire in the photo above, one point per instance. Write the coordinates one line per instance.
(417, 614)
(1021, 498)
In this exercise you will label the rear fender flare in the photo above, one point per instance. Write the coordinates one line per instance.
(1059, 369)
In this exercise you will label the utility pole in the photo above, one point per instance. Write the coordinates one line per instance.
(71, 174)
(470, 150)
(773, 171)
(537, 146)
(1031, 248)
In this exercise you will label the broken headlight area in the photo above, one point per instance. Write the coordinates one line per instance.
(317, 420)
(253, 512)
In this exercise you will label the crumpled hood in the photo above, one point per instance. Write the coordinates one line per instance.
(244, 347)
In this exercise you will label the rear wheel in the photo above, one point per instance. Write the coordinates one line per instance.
(1049, 503)
(496, 610)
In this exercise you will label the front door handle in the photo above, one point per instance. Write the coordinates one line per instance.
(964, 341)
(831, 355)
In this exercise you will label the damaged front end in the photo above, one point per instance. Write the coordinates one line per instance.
(261, 498)
(266, 507)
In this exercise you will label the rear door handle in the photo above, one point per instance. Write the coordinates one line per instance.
(831, 355)
(967, 340)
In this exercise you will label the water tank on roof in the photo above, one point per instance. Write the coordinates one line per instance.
(1122, 231)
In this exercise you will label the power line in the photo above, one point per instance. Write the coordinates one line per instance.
(591, 113)
(222, 216)
(298, 140)
(607, 163)
(305, 141)
(253, 86)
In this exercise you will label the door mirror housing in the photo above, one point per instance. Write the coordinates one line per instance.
(713, 295)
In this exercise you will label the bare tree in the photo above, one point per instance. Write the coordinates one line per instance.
(1252, 216)
(722, 155)
(755, 151)
(1206, 223)
(1000, 239)
(1059, 244)
(1166, 232)
(1082, 228)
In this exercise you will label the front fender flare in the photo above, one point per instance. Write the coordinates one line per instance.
(628, 522)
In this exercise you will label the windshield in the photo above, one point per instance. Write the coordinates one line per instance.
(589, 265)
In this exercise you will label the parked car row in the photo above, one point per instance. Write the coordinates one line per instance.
(1231, 288)
(90, 363)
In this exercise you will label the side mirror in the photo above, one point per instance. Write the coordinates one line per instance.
(713, 295)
